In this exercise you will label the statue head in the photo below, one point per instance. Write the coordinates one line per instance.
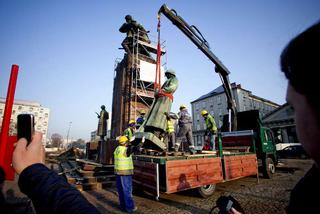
(170, 72)
(128, 18)
(103, 107)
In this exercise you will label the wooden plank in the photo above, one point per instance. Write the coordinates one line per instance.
(145, 176)
(187, 174)
(240, 166)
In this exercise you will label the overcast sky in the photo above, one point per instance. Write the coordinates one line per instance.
(66, 50)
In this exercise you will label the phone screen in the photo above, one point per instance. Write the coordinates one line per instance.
(229, 205)
(25, 126)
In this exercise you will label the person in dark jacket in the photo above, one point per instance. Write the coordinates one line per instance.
(300, 63)
(49, 192)
(185, 128)
(140, 119)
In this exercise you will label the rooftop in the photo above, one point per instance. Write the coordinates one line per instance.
(21, 102)
(218, 90)
(234, 85)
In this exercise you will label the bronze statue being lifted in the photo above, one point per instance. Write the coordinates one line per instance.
(154, 127)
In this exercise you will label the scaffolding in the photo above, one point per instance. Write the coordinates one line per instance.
(133, 83)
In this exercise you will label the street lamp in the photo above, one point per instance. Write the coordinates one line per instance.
(68, 131)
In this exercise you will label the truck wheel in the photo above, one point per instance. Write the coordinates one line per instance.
(207, 190)
(268, 168)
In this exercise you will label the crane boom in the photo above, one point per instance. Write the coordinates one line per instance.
(196, 37)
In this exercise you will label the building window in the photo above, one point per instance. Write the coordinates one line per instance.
(198, 127)
(197, 106)
(218, 99)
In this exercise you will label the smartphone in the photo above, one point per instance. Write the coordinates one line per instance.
(25, 126)
(229, 205)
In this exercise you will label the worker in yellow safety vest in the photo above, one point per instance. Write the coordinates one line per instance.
(171, 117)
(123, 167)
(129, 132)
(211, 128)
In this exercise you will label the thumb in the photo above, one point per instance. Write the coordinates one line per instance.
(36, 142)
(21, 145)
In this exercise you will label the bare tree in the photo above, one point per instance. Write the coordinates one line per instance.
(80, 143)
(56, 140)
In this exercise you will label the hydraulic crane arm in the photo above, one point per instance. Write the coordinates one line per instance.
(196, 37)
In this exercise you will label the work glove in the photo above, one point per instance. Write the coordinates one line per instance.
(133, 138)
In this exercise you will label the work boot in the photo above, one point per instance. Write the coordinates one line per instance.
(134, 209)
(192, 150)
(176, 148)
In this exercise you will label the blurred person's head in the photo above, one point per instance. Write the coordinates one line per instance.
(300, 62)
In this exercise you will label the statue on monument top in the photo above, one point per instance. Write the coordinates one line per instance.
(131, 27)
(102, 125)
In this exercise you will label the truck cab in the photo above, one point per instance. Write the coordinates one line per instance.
(264, 140)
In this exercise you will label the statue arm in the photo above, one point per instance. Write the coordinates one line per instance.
(98, 115)
(124, 28)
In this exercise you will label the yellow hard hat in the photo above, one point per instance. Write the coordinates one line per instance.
(123, 139)
(132, 122)
(183, 106)
(204, 112)
(142, 111)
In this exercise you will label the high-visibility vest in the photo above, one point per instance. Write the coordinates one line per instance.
(211, 124)
(122, 164)
(128, 133)
(170, 127)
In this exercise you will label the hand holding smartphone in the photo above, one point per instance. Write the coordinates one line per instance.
(25, 127)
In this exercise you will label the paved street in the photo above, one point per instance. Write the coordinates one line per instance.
(267, 196)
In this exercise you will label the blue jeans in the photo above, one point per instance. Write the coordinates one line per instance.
(124, 186)
(212, 141)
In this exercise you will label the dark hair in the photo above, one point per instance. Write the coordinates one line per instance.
(300, 62)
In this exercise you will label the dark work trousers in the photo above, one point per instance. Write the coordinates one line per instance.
(124, 186)
(185, 131)
(171, 140)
